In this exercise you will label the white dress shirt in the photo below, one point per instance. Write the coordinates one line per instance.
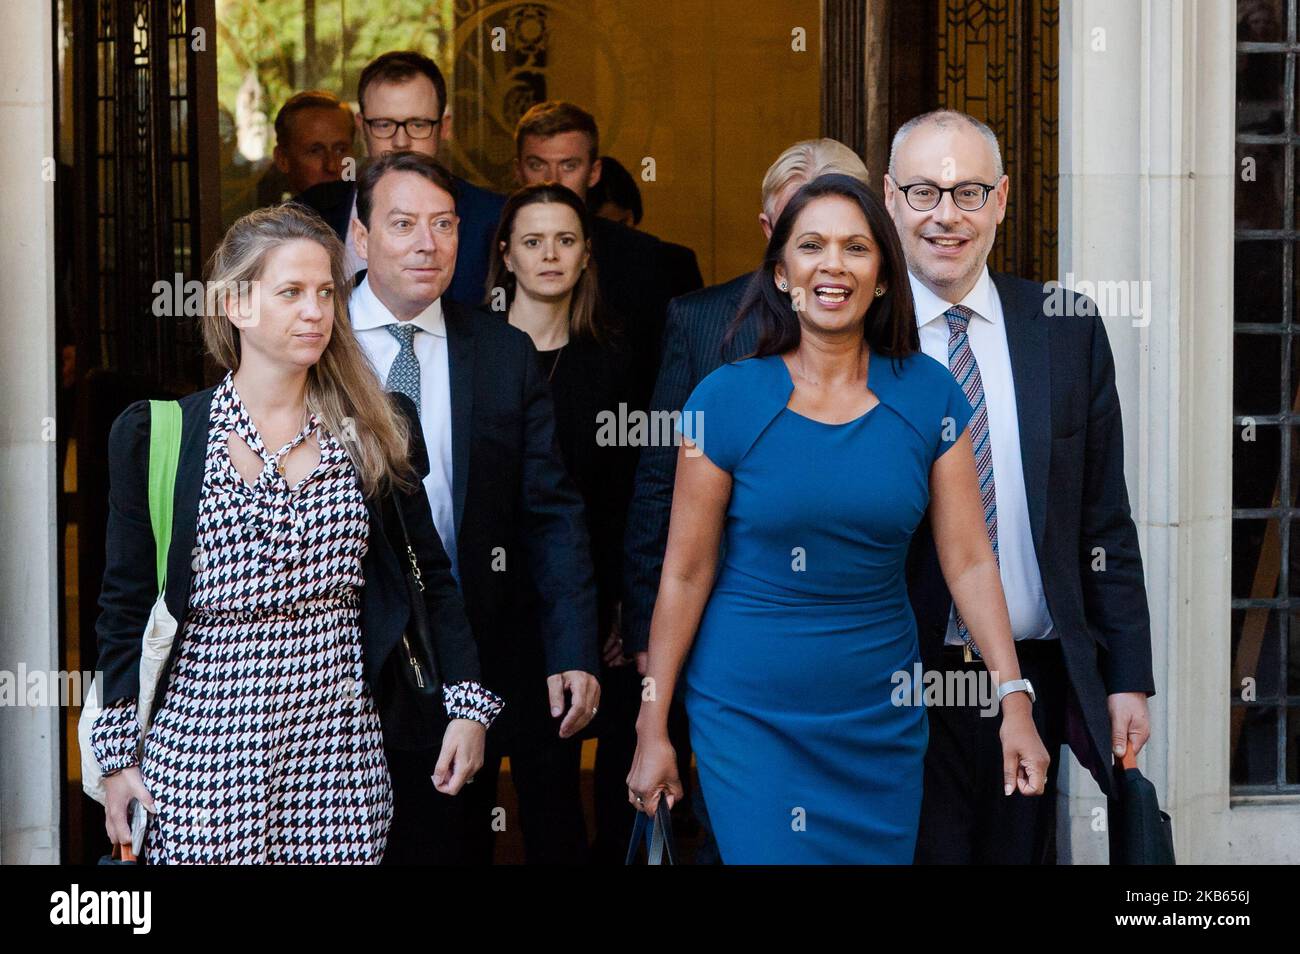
(987, 333)
(369, 318)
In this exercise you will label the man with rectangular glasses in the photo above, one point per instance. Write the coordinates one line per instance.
(403, 100)
(1049, 450)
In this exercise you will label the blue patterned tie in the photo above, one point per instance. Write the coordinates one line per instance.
(962, 364)
(404, 375)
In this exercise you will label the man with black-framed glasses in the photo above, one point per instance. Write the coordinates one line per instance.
(403, 107)
(1049, 449)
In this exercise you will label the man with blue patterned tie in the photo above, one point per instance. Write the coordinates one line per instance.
(508, 514)
(1048, 442)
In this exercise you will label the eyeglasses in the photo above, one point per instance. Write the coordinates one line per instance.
(967, 196)
(415, 128)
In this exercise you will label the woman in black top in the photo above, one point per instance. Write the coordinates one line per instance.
(544, 276)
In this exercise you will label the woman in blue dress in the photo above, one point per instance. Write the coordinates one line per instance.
(810, 465)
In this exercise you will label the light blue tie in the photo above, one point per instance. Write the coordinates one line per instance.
(961, 362)
(404, 375)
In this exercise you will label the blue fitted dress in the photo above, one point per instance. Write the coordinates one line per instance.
(803, 755)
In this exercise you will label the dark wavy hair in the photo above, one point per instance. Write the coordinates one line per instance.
(586, 315)
(889, 327)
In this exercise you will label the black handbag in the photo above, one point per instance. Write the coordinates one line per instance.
(420, 665)
(659, 843)
(1140, 833)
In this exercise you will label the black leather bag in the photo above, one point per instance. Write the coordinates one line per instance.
(1140, 833)
(660, 846)
(419, 666)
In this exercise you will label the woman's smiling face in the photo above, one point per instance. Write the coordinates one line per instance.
(830, 264)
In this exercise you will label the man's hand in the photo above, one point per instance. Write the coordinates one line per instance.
(612, 652)
(1130, 722)
(584, 694)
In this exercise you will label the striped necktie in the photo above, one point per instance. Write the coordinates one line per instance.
(404, 375)
(962, 364)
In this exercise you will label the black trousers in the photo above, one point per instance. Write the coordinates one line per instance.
(427, 826)
(965, 817)
(546, 771)
(431, 828)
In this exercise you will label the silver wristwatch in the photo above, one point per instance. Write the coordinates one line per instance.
(1017, 685)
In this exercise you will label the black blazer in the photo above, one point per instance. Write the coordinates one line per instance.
(692, 350)
(588, 383)
(128, 591)
(518, 516)
(1072, 449)
(638, 276)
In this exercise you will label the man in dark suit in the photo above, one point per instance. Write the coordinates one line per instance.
(692, 349)
(1049, 447)
(617, 197)
(507, 513)
(557, 141)
(403, 100)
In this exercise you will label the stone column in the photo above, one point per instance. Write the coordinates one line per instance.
(1147, 116)
(29, 736)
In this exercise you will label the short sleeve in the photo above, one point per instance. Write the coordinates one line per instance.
(709, 419)
(956, 415)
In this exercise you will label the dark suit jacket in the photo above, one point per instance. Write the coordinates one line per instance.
(681, 268)
(1072, 448)
(638, 275)
(692, 349)
(515, 507)
(479, 211)
(128, 591)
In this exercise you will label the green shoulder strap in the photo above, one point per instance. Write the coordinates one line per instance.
(164, 454)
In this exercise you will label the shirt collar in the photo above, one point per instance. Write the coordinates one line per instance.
(930, 306)
(367, 312)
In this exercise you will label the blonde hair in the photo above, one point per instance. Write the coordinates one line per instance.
(342, 390)
(804, 162)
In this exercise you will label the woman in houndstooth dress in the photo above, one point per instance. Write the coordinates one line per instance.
(267, 745)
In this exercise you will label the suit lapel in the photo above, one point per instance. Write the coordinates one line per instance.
(460, 368)
(1028, 345)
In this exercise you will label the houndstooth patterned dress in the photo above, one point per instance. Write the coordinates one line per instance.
(268, 745)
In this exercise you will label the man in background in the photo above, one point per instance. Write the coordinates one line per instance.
(314, 133)
(403, 100)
